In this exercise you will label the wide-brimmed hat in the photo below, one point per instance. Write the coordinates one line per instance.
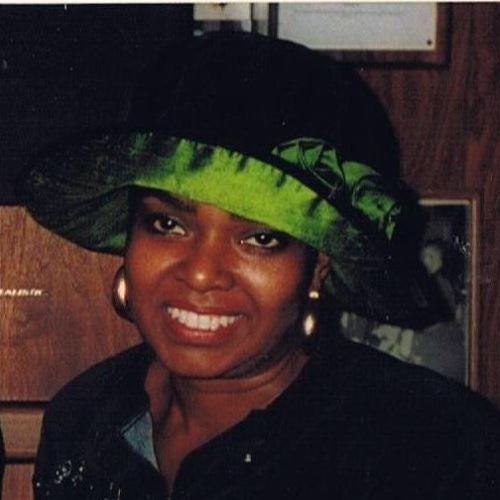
(265, 129)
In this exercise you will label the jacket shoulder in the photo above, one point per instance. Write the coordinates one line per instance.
(111, 386)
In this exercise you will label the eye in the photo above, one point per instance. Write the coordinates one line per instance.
(266, 240)
(163, 224)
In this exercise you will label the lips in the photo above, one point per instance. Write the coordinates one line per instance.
(201, 322)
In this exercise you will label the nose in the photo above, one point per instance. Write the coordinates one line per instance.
(206, 266)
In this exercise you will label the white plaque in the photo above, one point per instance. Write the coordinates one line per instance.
(401, 26)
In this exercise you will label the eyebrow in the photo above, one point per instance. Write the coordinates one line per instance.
(178, 203)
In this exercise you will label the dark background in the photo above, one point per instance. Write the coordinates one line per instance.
(68, 68)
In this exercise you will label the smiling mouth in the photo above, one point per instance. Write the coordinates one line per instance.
(206, 322)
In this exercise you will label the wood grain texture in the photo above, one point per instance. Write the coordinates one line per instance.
(65, 323)
(21, 429)
(483, 162)
(17, 482)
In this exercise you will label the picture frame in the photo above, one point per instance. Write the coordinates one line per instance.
(394, 52)
(449, 251)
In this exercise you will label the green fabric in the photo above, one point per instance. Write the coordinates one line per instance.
(351, 185)
(81, 193)
(89, 205)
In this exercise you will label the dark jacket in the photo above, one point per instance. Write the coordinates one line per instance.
(2, 461)
(355, 425)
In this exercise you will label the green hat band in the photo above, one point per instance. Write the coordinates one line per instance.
(90, 207)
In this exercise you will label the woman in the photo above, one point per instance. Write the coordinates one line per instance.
(253, 178)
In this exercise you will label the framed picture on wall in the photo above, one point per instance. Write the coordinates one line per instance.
(415, 33)
(449, 252)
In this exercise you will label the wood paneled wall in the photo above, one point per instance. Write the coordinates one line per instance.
(448, 121)
(61, 318)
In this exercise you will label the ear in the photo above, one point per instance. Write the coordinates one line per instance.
(321, 270)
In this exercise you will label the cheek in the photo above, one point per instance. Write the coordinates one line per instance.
(142, 266)
(279, 286)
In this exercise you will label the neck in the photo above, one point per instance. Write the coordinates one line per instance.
(243, 394)
(220, 402)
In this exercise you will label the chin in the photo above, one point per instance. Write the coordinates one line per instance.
(194, 363)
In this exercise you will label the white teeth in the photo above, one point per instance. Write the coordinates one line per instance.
(200, 321)
(192, 320)
(214, 323)
(205, 322)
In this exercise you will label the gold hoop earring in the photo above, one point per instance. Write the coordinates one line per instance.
(310, 321)
(119, 294)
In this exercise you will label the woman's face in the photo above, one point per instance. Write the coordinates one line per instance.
(214, 294)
